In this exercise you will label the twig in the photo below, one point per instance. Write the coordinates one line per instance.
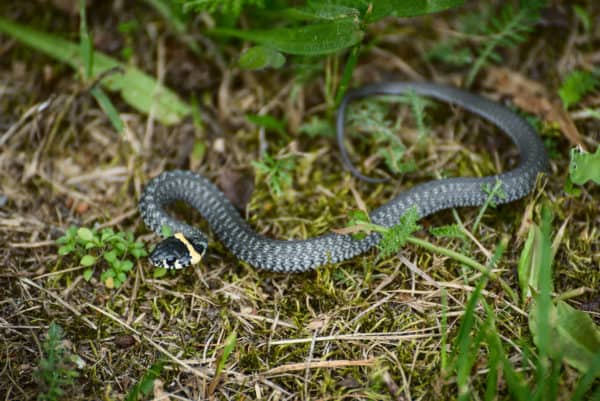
(291, 367)
(61, 301)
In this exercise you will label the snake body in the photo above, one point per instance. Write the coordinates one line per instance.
(302, 255)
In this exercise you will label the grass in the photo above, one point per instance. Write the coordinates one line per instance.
(415, 325)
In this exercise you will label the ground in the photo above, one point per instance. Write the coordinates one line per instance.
(367, 328)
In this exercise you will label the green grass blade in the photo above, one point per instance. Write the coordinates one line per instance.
(138, 89)
(109, 109)
(86, 51)
(347, 74)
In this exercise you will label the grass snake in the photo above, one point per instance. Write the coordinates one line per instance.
(188, 244)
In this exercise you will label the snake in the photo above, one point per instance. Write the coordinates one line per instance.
(187, 245)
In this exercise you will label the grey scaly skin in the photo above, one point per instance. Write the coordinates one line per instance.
(301, 255)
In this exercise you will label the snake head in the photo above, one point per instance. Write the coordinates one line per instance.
(178, 251)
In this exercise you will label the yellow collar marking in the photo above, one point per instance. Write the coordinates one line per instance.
(196, 257)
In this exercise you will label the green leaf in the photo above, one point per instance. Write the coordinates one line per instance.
(395, 237)
(109, 109)
(159, 272)
(121, 277)
(110, 256)
(85, 234)
(138, 252)
(310, 40)
(576, 85)
(259, 57)
(126, 265)
(403, 8)
(583, 17)
(320, 10)
(138, 89)
(449, 231)
(66, 249)
(529, 264)
(229, 346)
(88, 260)
(87, 274)
(145, 385)
(166, 231)
(268, 122)
(584, 167)
(574, 336)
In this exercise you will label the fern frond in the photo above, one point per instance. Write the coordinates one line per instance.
(396, 236)
(509, 29)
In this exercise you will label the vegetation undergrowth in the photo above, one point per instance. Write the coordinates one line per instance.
(106, 246)
(56, 369)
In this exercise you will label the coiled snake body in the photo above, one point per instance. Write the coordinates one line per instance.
(189, 244)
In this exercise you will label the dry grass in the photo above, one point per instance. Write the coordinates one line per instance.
(362, 329)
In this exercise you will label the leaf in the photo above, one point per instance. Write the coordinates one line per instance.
(66, 249)
(85, 234)
(529, 267)
(320, 10)
(229, 346)
(159, 272)
(138, 89)
(146, 384)
(403, 8)
(121, 277)
(126, 265)
(575, 337)
(576, 85)
(449, 231)
(109, 109)
(267, 121)
(166, 231)
(584, 167)
(259, 57)
(310, 40)
(87, 274)
(110, 256)
(87, 260)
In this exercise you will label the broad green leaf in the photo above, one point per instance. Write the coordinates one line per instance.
(87, 260)
(584, 167)
(576, 85)
(110, 256)
(310, 40)
(85, 234)
(126, 265)
(403, 8)
(121, 277)
(66, 249)
(87, 274)
(259, 57)
(138, 89)
(159, 272)
(575, 338)
(320, 10)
